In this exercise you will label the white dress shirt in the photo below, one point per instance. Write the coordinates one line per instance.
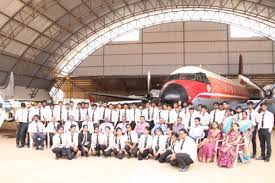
(196, 131)
(147, 114)
(190, 119)
(100, 137)
(36, 127)
(154, 112)
(90, 126)
(266, 120)
(145, 145)
(59, 113)
(132, 137)
(159, 142)
(111, 141)
(113, 116)
(67, 113)
(205, 119)
(21, 115)
(216, 115)
(41, 112)
(119, 143)
(122, 126)
(72, 139)
(59, 141)
(52, 127)
(94, 114)
(237, 117)
(187, 146)
(253, 116)
(134, 115)
(80, 114)
(68, 124)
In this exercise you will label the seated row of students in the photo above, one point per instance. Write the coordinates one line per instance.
(181, 152)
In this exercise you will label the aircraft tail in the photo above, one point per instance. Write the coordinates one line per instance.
(8, 92)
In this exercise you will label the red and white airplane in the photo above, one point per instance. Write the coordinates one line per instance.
(199, 86)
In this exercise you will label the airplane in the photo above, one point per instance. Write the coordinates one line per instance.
(196, 85)
(5, 93)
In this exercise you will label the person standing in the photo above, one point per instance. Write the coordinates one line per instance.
(252, 115)
(20, 118)
(266, 124)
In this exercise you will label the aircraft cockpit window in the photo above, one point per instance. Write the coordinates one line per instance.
(187, 76)
(201, 77)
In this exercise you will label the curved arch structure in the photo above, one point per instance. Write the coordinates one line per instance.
(63, 33)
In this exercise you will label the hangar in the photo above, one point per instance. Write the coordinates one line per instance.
(109, 46)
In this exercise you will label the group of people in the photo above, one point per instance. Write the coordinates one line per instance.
(178, 134)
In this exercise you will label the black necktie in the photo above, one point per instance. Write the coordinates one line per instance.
(60, 114)
(40, 113)
(52, 112)
(119, 145)
(28, 116)
(157, 146)
(189, 124)
(97, 141)
(145, 142)
(182, 145)
(85, 139)
(79, 115)
(119, 115)
(263, 120)
(129, 137)
(108, 141)
(60, 140)
(168, 117)
(250, 116)
(93, 117)
(72, 138)
(104, 113)
(111, 116)
(68, 115)
(37, 128)
(148, 114)
(214, 118)
(152, 117)
(168, 141)
(159, 114)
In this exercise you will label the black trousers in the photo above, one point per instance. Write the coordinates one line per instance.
(38, 139)
(82, 150)
(253, 140)
(182, 160)
(163, 157)
(118, 154)
(23, 134)
(205, 133)
(106, 153)
(18, 133)
(59, 152)
(133, 151)
(264, 137)
(70, 153)
(144, 154)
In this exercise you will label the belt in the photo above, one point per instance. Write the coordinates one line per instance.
(264, 128)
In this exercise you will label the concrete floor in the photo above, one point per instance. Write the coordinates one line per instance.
(27, 166)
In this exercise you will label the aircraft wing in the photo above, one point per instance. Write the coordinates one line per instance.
(118, 96)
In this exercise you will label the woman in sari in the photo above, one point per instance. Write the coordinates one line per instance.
(207, 146)
(227, 121)
(246, 127)
(228, 151)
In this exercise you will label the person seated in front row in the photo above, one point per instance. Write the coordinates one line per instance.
(122, 125)
(104, 124)
(169, 150)
(97, 141)
(178, 125)
(59, 143)
(72, 143)
(145, 144)
(51, 128)
(87, 121)
(207, 146)
(228, 151)
(37, 132)
(84, 141)
(161, 125)
(140, 127)
(158, 144)
(119, 144)
(108, 142)
(185, 152)
(131, 141)
(68, 124)
(196, 131)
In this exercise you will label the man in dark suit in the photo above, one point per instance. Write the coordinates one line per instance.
(84, 141)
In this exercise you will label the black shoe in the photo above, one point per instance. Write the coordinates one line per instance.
(56, 157)
(260, 158)
(20, 146)
(28, 145)
(17, 145)
(253, 156)
(267, 160)
(87, 155)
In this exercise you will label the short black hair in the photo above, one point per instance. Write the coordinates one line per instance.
(72, 126)
(183, 130)
(250, 103)
(198, 118)
(263, 104)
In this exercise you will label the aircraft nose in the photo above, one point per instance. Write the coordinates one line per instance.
(174, 93)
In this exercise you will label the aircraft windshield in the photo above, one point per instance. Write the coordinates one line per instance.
(182, 76)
